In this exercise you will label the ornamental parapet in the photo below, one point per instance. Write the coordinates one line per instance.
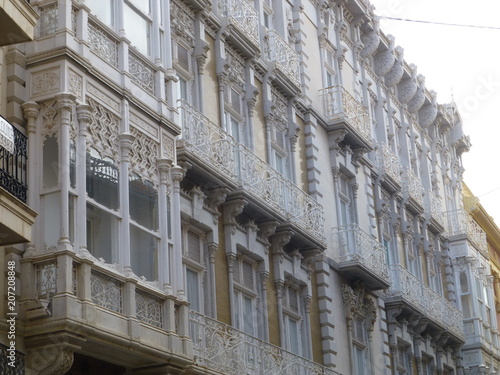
(459, 222)
(360, 254)
(343, 111)
(226, 350)
(285, 57)
(217, 151)
(415, 293)
(388, 163)
(245, 19)
(412, 187)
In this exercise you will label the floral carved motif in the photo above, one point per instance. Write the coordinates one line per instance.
(45, 82)
(75, 83)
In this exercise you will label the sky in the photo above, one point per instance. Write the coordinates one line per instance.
(462, 64)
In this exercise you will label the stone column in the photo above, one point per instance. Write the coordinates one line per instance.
(126, 140)
(178, 174)
(64, 105)
(83, 113)
(164, 166)
(31, 110)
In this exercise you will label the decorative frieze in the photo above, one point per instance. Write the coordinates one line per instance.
(45, 82)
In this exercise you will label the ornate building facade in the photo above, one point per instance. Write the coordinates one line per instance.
(235, 187)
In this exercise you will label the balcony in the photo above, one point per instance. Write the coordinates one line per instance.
(243, 21)
(13, 160)
(217, 153)
(81, 301)
(361, 256)
(459, 223)
(409, 289)
(433, 208)
(225, 350)
(344, 112)
(286, 60)
(412, 188)
(18, 20)
(388, 163)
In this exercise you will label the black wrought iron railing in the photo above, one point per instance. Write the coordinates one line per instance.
(13, 166)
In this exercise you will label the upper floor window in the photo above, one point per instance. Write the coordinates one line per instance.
(245, 296)
(293, 319)
(194, 268)
(360, 346)
(137, 21)
(347, 206)
(104, 10)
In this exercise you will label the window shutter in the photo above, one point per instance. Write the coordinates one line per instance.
(194, 251)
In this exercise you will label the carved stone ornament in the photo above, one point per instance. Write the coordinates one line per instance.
(45, 82)
(103, 130)
(396, 73)
(371, 40)
(181, 20)
(49, 360)
(357, 302)
(384, 60)
(231, 210)
(143, 155)
(279, 240)
(266, 230)
(428, 113)
(215, 197)
(419, 98)
(408, 87)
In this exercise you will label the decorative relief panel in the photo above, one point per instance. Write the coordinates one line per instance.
(144, 155)
(75, 83)
(103, 97)
(45, 82)
(49, 112)
(144, 125)
(167, 147)
(103, 130)
(148, 308)
(181, 20)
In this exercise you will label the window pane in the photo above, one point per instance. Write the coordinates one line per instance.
(102, 9)
(50, 162)
(360, 360)
(101, 233)
(294, 336)
(102, 180)
(143, 254)
(248, 315)
(142, 5)
(193, 289)
(143, 202)
(137, 30)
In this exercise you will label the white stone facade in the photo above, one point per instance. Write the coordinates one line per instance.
(240, 187)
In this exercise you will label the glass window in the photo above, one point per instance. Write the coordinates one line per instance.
(102, 180)
(143, 203)
(102, 9)
(292, 327)
(142, 5)
(50, 162)
(102, 235)
(193, 289)
(143, 253)
(137, 29)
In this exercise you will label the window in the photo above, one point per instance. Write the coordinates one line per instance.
(465, 295)
(182, 54)
(103, 10)
(330, 79)
(245, 296)
(292, 319)
(138, 25)
(346, 201)
(279, 147)
(102, 206)
(143, 207)
(404, 364)
(427, 366)
(360, 346)
(194, 266)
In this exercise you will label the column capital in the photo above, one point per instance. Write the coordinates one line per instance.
(65, 100)
(30, 110)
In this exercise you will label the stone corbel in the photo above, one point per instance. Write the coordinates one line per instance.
(49, 360)
(266, 230)
(231, 210)
(279, 240)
